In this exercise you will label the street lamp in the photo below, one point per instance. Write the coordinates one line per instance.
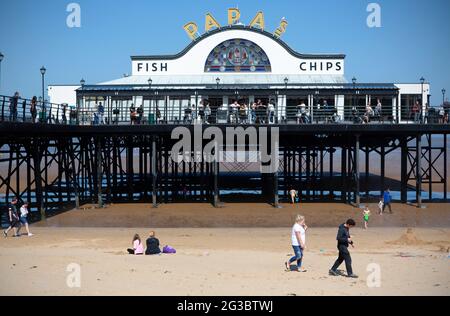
(1, 58)
(286, 81)
(217, 82)
(422, 81)
(149, 81)
(354, 92)
(43, 70)
(82, 82)
(443, 96)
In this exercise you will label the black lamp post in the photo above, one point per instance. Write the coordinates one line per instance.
(1, 58)
(149, 81)
(422, 81)
(443, 96)
(286, 81)
(82, 82)
(43, 70)
(217, 82)
(354, 90)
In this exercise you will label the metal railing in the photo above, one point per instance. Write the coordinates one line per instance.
(17, 109)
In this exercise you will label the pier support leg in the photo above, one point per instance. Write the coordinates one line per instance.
(419, 171)
(404, 171)
(445, 168)
(344, 174)
(98, 153)
(216, 183)
(154, 173)
(37, 158)
(275, 190)
(357, 175)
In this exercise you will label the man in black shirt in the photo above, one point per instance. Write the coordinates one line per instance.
(14, 219)
(343, 240)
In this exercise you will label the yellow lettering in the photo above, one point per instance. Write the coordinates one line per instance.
(281, 29)
(258, 21)
(233, 16)
(210, 22)
(191, 29)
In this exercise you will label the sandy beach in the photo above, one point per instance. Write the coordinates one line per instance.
(227, 260)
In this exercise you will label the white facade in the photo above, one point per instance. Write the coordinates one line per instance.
(59, 94)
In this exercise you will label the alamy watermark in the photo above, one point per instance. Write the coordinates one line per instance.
(74, 17)
(73, 279)
(235, 145)
(374, 18)
(374, 278)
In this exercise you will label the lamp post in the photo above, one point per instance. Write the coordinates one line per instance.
(1, 58)
(354, 91)
(286, 81)
(443, 96)
(82, 82)
(422, 81)
(217, 82)
(43, 70)
(149, 81)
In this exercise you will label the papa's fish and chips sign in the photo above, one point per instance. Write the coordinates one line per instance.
(234, 16)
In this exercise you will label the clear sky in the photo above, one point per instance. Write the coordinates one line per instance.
(414, 39)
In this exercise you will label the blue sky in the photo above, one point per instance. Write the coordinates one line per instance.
(414, 39)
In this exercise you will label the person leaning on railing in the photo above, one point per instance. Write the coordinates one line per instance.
(33, 109)
(14, 101)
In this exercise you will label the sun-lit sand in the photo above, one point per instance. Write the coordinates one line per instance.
(246, 260)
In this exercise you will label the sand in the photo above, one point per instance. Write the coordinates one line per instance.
(224, 260)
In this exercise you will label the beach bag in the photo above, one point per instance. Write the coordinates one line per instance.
(168, 249)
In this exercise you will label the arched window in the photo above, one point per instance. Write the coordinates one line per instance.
(237, 55)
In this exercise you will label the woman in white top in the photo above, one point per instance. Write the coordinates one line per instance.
(23, 217)
(298, 243)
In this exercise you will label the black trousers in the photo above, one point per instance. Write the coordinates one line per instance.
(344, 255)
(387, 204)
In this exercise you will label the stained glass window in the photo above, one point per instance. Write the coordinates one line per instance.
(237, 55)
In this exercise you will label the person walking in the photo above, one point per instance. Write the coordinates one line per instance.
(387, 198)
(298, 239)
(101, 113)
(294, 196)
(23, 218)
(14, 221)
(344, 239)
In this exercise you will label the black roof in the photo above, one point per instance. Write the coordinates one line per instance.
(238, 27)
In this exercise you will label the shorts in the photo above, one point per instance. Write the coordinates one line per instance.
(14, 223)
(366, 219)
(23, 220)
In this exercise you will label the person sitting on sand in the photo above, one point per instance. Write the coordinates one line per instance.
(23, 218)
(294, 194)
(152, 245)
(298, 243)
(366, 215)
(138, 247)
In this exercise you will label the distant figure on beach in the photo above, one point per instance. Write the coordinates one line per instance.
(23, 218)
(387, 198)
(294, 196)
(14, 221)
(152, 245)
(344, 239)
(380, 206)
(138, 247)
(366, 215)
(298, 239)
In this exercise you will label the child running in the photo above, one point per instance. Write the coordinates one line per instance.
(366, 215)
(294, 195)
(298, 243)
(380, 206)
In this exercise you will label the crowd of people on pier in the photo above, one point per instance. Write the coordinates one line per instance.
(16, 109)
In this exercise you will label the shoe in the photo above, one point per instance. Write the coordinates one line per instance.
(354, 276)
(5, 234)
(333, 273)
(30, 234)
